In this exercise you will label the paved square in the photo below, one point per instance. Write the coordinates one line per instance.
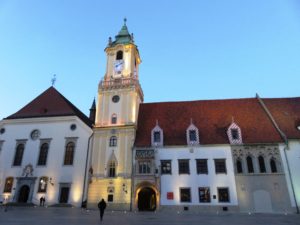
(74, 216)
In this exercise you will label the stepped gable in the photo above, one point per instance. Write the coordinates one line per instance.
(211, 117)
(286, 112)
(50, 103)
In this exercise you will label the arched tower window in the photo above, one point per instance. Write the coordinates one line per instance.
(112, 169)
(43, 154)
(239, 166)
(8, 184)
(273, 165)
(113, 141)
(250, 164)
(261, 163)
(119, 55)
(114, 119)
(19, 155)
(69, 154)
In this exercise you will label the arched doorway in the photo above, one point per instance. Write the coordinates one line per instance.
(146, 199)
(24, 194)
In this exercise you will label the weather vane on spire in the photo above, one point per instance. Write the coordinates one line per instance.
(125, 20)
(53, 80)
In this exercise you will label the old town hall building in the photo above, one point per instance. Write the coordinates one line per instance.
(239, 155)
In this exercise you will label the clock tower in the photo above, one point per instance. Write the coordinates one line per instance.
(119, 96)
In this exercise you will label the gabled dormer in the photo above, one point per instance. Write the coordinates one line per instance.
(157, 136)
(234, 134)
(192, 134)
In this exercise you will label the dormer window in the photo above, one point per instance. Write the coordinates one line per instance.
(157, 136)
(234, 134)
(192, 135)
(119, 55)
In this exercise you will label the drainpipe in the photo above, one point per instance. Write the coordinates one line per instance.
(286, 147)
(85, 170)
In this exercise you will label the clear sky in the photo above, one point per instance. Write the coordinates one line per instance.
(190, 49)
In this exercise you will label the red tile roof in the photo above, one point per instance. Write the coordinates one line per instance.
(286, 112)
(50, 103)
(212, 117)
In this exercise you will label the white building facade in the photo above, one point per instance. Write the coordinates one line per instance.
(44, 155)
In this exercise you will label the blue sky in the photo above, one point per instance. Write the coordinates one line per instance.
(190, 49)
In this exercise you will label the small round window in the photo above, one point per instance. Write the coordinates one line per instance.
(115, 98)
(35, 134)
(73, 126)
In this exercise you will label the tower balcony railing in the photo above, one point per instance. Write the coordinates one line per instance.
(120, 83)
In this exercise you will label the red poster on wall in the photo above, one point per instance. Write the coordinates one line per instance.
(170, 195)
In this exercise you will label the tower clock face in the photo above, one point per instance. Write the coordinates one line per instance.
(118, 67)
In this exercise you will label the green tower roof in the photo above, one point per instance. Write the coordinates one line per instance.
(123, 37)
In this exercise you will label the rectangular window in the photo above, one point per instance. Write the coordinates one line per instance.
(223, 194)
(166, 167)
(192, 135)
(8, 185)
(110, 198)
(235, 134)
(204, 194)
(144, 167)
(183, 166)
(185, 195)
(202, 166)
(220, 165)
(156, 136)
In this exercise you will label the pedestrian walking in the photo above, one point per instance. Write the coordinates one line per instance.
(101, 206)
(41, 201)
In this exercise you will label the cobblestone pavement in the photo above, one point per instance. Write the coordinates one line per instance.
(74, 216)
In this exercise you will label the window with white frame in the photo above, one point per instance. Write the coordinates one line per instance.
(144, 167)
(192, 135)
(157, 136)
(234, 134)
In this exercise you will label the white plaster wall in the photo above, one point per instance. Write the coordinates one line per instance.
(173, 182)
(293, 156)
(57, 129)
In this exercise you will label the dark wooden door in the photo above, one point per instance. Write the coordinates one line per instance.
(64, 195)
(23, 194)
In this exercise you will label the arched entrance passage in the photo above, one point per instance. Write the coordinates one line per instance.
(24, 194)
(146, 199)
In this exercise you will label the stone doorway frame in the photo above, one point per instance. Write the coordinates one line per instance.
(21, 181)
(139, 187)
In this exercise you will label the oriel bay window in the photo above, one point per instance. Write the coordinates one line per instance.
(144, 167)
